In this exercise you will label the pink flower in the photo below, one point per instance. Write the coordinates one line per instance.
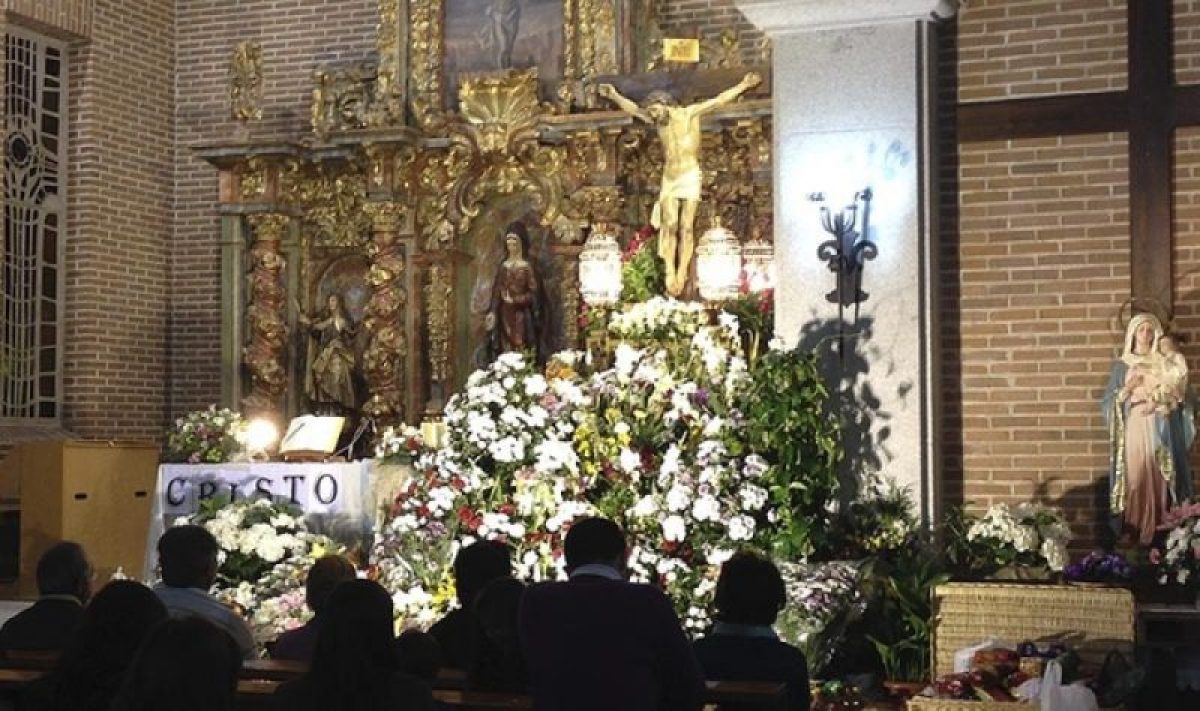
(1155, 556)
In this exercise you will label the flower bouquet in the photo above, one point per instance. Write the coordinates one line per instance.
(209, 436)
(1178, 561)
(266, 550)
(400, 445)
(1098, 568)
(823, 599)
(1025, 541)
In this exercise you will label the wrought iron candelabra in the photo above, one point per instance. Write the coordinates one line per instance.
(846, 253)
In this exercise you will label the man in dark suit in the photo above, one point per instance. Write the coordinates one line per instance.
(64, 580)
(599, 642)
(743, 645)
(458, 633)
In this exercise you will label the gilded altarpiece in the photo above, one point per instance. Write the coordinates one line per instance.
(373, 242)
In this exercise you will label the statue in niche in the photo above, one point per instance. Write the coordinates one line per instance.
(499, 35)
(515, 311)
(1148, 410)
(679, 197)
(329, 377)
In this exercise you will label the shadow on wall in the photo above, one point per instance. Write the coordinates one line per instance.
(847, 356)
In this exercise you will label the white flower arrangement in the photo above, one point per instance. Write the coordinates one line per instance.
(655, 442)
(399, 445)
(265, 552)
(1178, 560)
(1026, 533)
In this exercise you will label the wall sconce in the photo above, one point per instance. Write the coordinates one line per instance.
(600, 267)
(846, 253)
(718, 263)
(758, 256)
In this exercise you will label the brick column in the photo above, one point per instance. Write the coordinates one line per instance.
(853, 109)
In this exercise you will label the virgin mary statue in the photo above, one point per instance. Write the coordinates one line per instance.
(1150, 429)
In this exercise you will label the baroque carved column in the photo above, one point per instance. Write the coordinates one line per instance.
(438, 308)
(385, 357)
(266, 347)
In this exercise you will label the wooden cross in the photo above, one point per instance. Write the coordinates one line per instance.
(1149, 111)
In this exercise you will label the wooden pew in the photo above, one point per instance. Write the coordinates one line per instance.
(761, 695)
(254, 694)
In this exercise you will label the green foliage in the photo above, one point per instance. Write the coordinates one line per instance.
(901, 615)
(643, 274)
(756, 321)
(789, 424)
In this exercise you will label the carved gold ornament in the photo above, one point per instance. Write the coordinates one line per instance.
(438, 299)
(386, 354)
(246, 81)
(331, 202)
(499, 132)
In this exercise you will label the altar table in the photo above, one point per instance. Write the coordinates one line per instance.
(342, 500)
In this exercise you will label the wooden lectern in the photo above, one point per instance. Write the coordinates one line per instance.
(95, 493)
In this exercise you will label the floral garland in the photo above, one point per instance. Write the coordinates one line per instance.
(266, 550)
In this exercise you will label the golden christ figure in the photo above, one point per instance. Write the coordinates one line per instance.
(679, 197)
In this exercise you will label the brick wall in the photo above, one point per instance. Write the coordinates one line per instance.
(709, 18)
(56, 17)
(119, 198)
(296, 36)
(1186, 28)
(1011, 48)
(1042, 265)
(1187, 253)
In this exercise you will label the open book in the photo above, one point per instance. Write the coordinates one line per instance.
(312, 433)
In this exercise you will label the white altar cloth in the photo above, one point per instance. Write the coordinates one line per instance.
(336, 498)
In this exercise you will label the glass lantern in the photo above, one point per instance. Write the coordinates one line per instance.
(759, 258)
(600, 268)
(718, 264)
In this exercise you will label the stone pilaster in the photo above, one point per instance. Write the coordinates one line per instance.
(854, 91)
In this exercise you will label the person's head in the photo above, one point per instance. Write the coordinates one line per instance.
(496, 608)
(186, 664)
(1142, 334)
(516, 240)
(114, 625)
(594, 540)
(658, 105)
(64, 570)
(188, 557)
(356, 644)
(478, 564)
(749, 591)
(334, 303)
(325, 575)
(420, 654)
(1167, 345)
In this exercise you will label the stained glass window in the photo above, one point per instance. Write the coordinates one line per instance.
(31, 277)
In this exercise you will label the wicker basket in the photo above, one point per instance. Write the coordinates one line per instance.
(1092, 621)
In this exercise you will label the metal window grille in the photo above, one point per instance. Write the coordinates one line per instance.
(31, 264)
